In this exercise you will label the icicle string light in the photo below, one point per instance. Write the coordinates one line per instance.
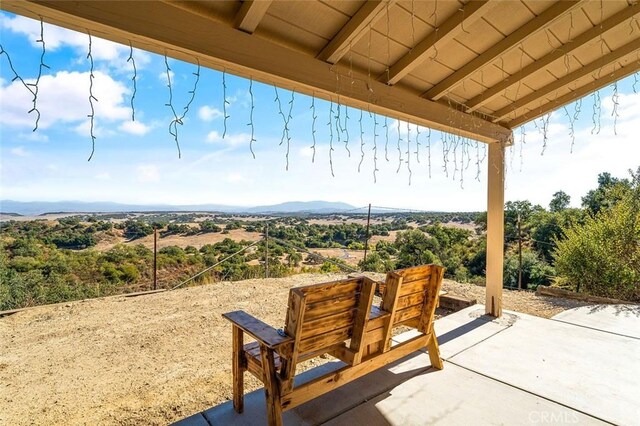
(545, 132)
(179, 120)
(386, 140)
(133, 81)
(523, 141)
(346, 130)
(314, 117)
(478, 161)
(91, 100)
(375, 147)
(338, 123)
(408, 151)
(417, 151)
(225, 102)
(287, 128)
(597, 108)
(361, 142)
(250, 123)
(635, 83)
(330, 124)
(614, 112)
(429, 150)
(400, 161)
(36, 85)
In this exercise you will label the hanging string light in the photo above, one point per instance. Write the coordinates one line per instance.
(429, 150)
(36, 85)
(91, 100)
(400, 161)
(330, 124)
(225, 102)
(408, 151)
(597, 108)
(133, 81)
(375, 147)
(250, 123)
(314, 117)
(616, 103)
(361, 142)
(386, 141)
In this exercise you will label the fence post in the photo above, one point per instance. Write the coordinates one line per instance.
(366, 242)
(266, 250)
(155, 257)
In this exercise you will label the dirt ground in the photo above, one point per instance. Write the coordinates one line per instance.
(151, 359)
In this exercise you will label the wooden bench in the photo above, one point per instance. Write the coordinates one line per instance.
(338, 319)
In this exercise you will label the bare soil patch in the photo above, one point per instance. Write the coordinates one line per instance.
(152, 359)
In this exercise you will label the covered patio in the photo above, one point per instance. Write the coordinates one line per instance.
(477, 70)
(579, 367)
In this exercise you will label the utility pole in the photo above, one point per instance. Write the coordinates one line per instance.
(366, 236)
(519, 253)
(266, 251)
(155, 257)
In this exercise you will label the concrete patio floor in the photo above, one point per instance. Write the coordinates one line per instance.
(581, 367)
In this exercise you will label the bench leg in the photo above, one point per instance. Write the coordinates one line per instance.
(434, 352)
(271, 387)
(238, 370)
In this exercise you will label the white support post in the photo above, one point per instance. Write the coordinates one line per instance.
(495, 230)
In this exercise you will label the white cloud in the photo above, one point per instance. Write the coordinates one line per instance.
(112, 54)
(135, 128)
(215, 137)
(103, 176)
(20, 152)
(148, 173)
(236, 178)
(207, 113)
(163, 77)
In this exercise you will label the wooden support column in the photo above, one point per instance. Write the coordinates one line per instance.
(495, 229)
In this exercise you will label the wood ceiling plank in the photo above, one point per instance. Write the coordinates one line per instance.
(365, 17)
(446, 32)
(512, 40)
(569, 78)
(163, 29)
(608, 78)
(578, 42)
(250, 14)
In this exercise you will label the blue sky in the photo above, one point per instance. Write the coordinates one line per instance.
(137, 161)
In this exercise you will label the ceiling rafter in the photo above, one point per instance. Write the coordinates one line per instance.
(609, 78)
(354, 30)
(572, 45)
(581, 72)
(216, 45)
(539, 23)
(250, 14)
(447, 31)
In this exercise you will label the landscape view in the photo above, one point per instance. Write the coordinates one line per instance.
(383, 212)
(60, 256)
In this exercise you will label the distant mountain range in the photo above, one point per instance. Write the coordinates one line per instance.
(34, 208)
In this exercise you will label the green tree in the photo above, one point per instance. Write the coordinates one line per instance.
(602, 257)
(415, 248)
(560, 201)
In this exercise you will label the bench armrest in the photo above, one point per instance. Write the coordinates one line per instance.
(261, 331)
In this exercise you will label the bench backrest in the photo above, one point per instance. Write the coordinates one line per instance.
(323, 316)
(411, 296)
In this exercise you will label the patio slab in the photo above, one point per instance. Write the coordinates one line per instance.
(456, 396)
(619, 319)
(589, 370)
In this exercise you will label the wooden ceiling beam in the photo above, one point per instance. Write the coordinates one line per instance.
(163, 29)
(581, 72)
(447, 31)
(539, 23)
(610, 78)
(250, 14)
(572, 45)
(354, 30)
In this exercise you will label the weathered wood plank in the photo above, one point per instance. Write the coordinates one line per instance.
(362, 316)
(256, 328)
(330, 307)
(271, 386)
(414, 286)
(409, 300)
(347, 374)
(237, 368)
(325, 291)
(325, 340)
(325, 324)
